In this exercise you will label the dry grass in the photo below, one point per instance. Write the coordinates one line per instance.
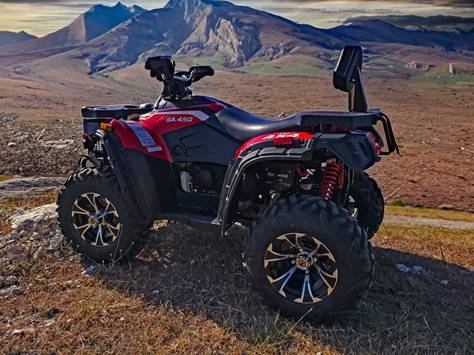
(430, 213)
(187, 293)
(448, 245)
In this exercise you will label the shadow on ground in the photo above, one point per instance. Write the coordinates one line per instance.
(202, 274)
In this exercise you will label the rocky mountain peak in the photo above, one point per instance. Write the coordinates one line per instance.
(175, 4)
(192, 4)
(135, 9)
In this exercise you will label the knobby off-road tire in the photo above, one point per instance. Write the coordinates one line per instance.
(307, 219)
(123, 238)
(369, 202)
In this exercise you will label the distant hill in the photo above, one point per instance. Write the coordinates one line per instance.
(438, 23)
(382, 32)
(7, 38)
(96, 21)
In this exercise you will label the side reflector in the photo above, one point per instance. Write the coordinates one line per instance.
(106, 126)
(282, 141)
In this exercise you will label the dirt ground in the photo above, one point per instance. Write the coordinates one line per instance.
(40, 122)
(177, 299)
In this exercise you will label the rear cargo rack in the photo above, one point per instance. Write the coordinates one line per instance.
(113, 111)
(351, 120)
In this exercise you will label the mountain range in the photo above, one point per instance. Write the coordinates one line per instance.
(96, 21)
(7, 37)
(111, 38)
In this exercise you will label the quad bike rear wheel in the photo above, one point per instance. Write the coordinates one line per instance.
(308, 258)
(366, 203)
(94, 217)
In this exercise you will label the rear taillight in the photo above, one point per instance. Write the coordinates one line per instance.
(373, 139)
(106, 126)
(282, 141)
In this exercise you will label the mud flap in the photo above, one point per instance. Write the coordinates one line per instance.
(135, 179)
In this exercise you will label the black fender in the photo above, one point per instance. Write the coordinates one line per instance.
(354, 149)
(258, 154)
(135, 178)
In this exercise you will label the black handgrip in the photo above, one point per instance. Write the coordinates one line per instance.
(161, 68)
(389, 135)
(199, 72)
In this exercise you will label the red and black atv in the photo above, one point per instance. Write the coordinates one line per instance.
(298, 184)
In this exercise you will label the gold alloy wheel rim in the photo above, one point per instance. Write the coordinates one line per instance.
(352, 207)
(301, 268)
(96, 219)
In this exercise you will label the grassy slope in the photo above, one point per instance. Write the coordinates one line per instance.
(429, 213)
(180, 299)
(446, 78)
(300, 69)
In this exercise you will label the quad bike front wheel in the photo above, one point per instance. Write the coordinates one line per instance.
(366, 203)
(94, 218)
(308, 258)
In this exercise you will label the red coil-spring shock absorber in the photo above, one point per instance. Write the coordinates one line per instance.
(341, 177)
(333, 179)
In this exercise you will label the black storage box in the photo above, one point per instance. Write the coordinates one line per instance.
(114, 111)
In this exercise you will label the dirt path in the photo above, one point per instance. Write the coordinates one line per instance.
(432, 222)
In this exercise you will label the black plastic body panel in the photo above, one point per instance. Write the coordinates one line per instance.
(353, 148)
(137, 181)
(350, 120)
(113, 111)
(201, 143)
(151, 190)
(194, 101)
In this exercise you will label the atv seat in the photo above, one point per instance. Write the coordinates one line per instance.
(243, 126)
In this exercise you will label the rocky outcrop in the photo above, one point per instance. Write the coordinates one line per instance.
(36, 219)
(235, 42)
(28, 186)
(34, 232)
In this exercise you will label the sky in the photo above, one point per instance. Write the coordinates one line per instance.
(40, 17)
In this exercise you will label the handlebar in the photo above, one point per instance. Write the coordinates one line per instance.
(163, 69)
(176, 85)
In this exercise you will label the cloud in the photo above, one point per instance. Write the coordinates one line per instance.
(31, 2)
(453, 3)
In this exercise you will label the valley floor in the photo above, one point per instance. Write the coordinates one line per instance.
(41, 127)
